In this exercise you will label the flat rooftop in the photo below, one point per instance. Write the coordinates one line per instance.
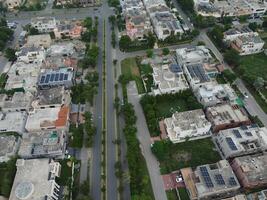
(12, 121)
(43, 144)
(253, 167)
(217, 177)
(52, 96)
(34, 179)
(197, 71)
(242, 140)
(39, 119)
(226, 114)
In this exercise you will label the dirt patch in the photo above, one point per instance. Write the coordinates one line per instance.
(183, 156)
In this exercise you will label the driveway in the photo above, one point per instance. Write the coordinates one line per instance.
(145, 142)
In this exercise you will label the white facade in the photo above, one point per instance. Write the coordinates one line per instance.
(35, 179)
(189, 124)
(44, 24)
(213, 93)
(31, 54)
(167, 81)
(241, 141)
(247, 45)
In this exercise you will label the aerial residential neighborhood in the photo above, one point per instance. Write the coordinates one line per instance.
(133, 100)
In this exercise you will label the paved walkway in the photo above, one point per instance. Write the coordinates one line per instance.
(145, 142)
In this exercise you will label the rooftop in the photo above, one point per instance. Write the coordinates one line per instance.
(196, 54)
(48, 118)
(226, 114)
(53, 96)
(12, 121)
(18, 101)
(242, 140)
(61, 49)
(254, 167)
(34, 179)
(217, 177)
(43, 144)
(197, 72)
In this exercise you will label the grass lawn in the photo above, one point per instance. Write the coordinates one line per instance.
(65, 176)
(130, 69)
(7, 174)
(255, 65)
(166, 108)
(76, 140)
(183, 194)
(171, 195)
(187, 154)
(3, 79)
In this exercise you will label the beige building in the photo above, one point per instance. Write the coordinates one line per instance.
(35, 180)
(43, 40)
(13, 4)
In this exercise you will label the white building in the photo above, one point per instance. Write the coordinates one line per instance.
(190, 124)
(241, 141)
(165, 24)
(44, 24)
(23, 76)
(213, 93)
(193, 55)
(233, 33)
(168, 78)
(31, 54)
(13, 4)
(42, 144)
(231, 8)
(35, 179)
(13, 122)
(214, 181)
(19, 101)
(53, 97)
(246, 45)
(48, 118)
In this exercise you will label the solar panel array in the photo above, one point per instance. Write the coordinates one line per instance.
(232, 181)
(206, 176)
(237, 133)
(54, 77)
(175, 68)
(219, 179)
(248, 133)
(231, 144)
(243, 127)
(254, 126)
(198, 71)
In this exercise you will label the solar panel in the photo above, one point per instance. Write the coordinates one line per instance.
(232, 181)
(52, 77)
(249, 134)
(47, 78)
(219, 179)
(57, 76)
(205, 174)
(66, 77)
(237, 133)
(243, 127)
(61, 76)
(42, 79)
(254, 126)
(231, 144)
(175, 68)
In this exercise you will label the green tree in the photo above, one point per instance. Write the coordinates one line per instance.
(10, 54)
(124, 42)
(160, 149)
(149, 53)
(165, 51)
(258, 83)
(253, 26)
(232, 57)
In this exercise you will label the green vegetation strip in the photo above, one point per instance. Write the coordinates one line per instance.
(139, 178)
